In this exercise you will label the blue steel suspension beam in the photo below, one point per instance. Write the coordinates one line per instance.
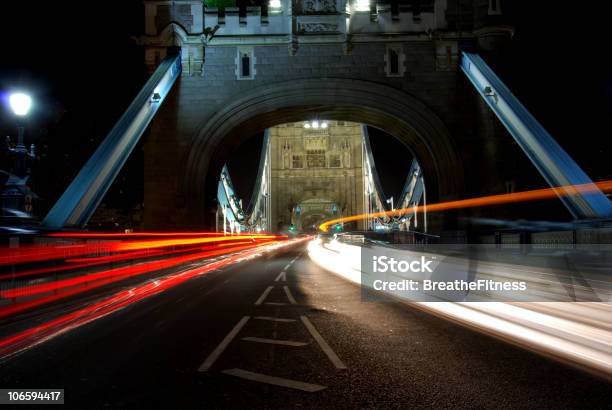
(83, 195)
(555, 165)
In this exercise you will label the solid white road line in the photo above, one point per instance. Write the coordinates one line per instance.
(333, 357)
(273, 319)
(287, 266)
(281, 276)
(264, 295)
(274, 341)
(289, 295)
(277, 381)
(210, 360)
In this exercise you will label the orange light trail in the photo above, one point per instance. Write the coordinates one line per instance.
(37, 253)
(524, 196)
(158, 243)
(135, 234)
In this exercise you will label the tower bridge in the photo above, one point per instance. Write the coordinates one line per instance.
(392, 68)
(250, 315)
(224, 74)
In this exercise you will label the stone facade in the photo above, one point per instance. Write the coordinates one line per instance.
(392, 69)
(316, 173)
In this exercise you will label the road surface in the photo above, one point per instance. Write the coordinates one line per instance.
(279, 332)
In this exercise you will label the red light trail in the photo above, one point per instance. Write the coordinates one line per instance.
(236, 252)
(72, 257)
(38, 253)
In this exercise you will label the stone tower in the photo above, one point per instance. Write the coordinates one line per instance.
(246, 69)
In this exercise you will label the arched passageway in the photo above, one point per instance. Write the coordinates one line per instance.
(393, 111)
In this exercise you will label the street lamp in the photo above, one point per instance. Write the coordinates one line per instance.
(20, 104)
(17, 196)
(390, 201)
(361, 5)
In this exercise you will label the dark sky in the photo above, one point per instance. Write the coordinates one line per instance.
(81, 67)
(560, 68)
(82, 70)
(244, 165)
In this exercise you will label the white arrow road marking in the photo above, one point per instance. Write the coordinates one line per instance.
(273, 319)
(274, 341)
(264, 295)
(333, 357)
(289, 295)
(281, 276)
(210, 360)
(277, 381)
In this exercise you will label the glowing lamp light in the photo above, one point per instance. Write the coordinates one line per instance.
(20, 104)
(274, 4)
(362, 5)
(316, 124)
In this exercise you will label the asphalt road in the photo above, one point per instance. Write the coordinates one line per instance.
(216, 341)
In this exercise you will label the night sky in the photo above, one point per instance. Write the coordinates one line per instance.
(78, 62)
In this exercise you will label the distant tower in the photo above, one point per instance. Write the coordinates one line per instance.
(316, 173)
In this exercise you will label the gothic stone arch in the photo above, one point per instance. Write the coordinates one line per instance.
(381, 106)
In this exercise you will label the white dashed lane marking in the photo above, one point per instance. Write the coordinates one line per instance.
(277, 381)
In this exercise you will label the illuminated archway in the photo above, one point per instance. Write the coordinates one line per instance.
(391, 110)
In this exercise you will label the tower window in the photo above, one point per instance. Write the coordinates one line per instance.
(297, 162)
(334, 161)
(245, 63)
(315, 158)
(393, 62)
(494, 7)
